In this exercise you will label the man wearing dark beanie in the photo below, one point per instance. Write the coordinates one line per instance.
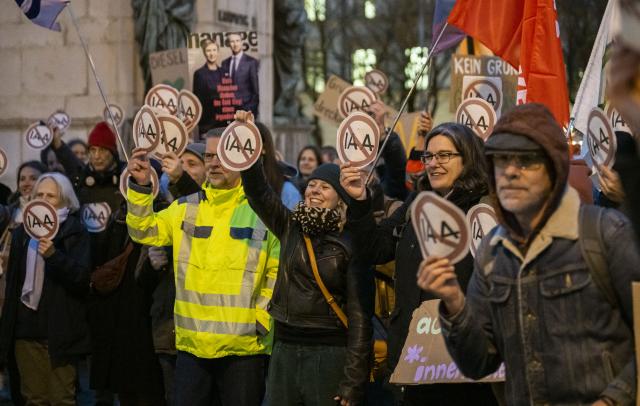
(550, 295)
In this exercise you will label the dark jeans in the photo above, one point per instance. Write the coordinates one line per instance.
(168, 366)
(227, 381)
(449, 394)
(304, 374)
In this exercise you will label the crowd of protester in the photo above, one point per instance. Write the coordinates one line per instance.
(214, 292)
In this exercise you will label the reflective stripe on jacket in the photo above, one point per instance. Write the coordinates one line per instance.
(225, 264)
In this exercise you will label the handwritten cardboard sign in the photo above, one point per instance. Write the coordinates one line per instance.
(38, 135)
(240, 146)
(424, 359)
(95, 216)
(146, 129)
(478, 115)
(40, 220)
(481, 218)
(124, 183)
(173, 136)
(326, 106)
(601, 139)
(163, 97)
(116, 111)
(376, 81)
(358, 139)
(59, 120)
(355, 98)
(441, 227)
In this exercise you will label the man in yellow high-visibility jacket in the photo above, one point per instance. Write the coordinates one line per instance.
(225, 263)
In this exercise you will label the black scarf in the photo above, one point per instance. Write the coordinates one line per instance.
(316, 220)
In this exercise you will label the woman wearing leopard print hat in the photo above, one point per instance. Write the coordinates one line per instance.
(316, 359)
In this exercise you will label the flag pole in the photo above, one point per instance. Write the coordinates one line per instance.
(98, 82)
(405, 102)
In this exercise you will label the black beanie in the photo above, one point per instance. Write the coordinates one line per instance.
(330, 173)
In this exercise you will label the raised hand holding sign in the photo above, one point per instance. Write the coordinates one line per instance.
(241, 144)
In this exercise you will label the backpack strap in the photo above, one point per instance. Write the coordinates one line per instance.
(594, 251)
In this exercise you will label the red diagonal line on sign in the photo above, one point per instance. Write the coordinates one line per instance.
(595, 139)
(95, 215)
(442, 240)
(352, 101)
(163, 100)
(41, 222)
(235, 136)
(361, 147)
(473, 122)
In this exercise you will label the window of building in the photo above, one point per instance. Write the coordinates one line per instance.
(363, 60)
(417, 57)
(369, 8)
(315, 71)
(316, 10)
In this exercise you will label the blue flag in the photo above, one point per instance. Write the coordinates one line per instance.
(451, 35)
(43, 12)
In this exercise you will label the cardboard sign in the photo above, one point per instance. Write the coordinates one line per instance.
(358, 139)
(478, 115)
(425, 359)
(327, 104)
(355, 98)
(407, 130)
(600, 138)
(173, 136)
(376, 81)
(171, 68)
(616, 120)
(240, 146)
(59, 120)
(163, 97)
(117, 112)
(441, 227)
(488, 89)
(146, 129)
(38, 135)
(189, 109)
(124, 183)
(40, 220)
(4, 162)
(95, 216)
(481, 218)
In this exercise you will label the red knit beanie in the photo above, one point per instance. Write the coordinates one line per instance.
(102, 136)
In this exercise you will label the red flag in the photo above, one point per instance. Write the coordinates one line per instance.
(526, 34)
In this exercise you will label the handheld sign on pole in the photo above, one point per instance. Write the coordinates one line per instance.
(114, 111)
(146, 129)
(4, 162)
(95, 216)
(482, 219)
(478, 115)
(376, 81)
(163, 97)
(189, 109)
(616, 120)
(59, 120)
(601, 139)
(355, 98)
(173, 136)
(240, 146)
(40, 220)
(124, 183)
(358, 138)
(441, 227)
(38, 135)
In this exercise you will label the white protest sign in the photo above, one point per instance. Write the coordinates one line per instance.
(424, 358)
(189, 109)
(116, 111)
(146, 129)
(441, 227)
(240, 146)
(478, 115)
(4, 162)
(163, 97)
(59, 120)
(600, 138)
(173, 136)
(38, 135)
(358, 139)
(616, 120)
(95, 216)
(124, 182)
(355, 98)
(376, 81)
(488, 88)
(40, 220)
(481, 218)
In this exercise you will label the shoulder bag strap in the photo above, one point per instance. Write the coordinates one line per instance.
(325, 292)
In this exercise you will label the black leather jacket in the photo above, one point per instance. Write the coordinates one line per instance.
(297, 301)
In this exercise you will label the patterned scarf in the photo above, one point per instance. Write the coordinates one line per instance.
(316, 220)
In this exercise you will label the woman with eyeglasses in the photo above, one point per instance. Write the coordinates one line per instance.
(455, 170)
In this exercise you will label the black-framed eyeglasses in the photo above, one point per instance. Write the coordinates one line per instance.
(441, 157)
(208, 157)
(521, 161)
